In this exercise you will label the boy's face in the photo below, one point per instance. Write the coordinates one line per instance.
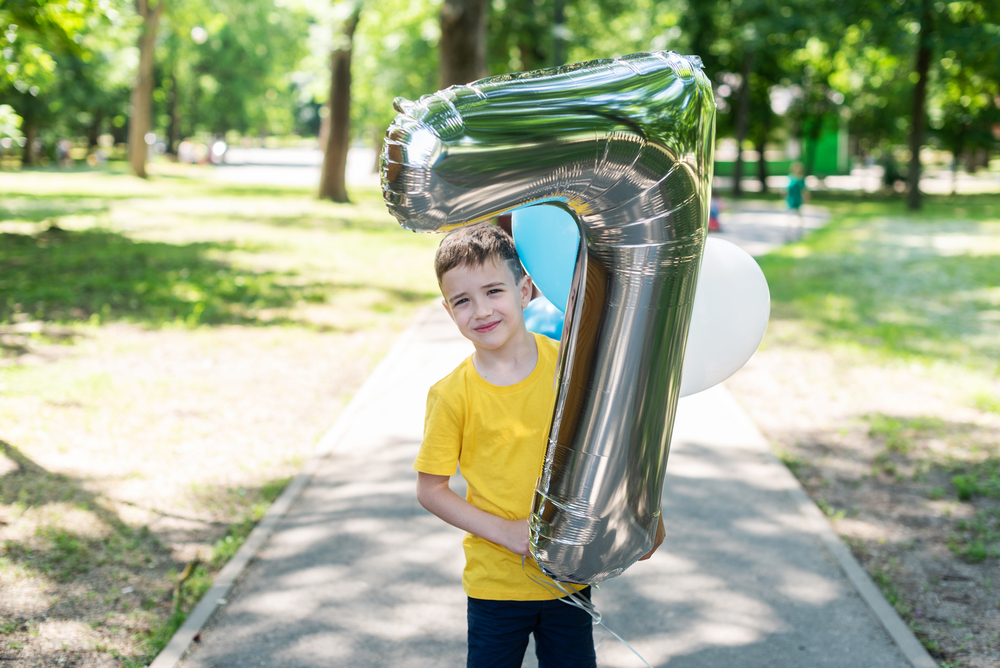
(486, 303)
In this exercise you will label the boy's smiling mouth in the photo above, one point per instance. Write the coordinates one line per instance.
(488, 327)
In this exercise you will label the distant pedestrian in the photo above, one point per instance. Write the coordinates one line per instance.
(797, 195)
(63, 148)
(713, 214)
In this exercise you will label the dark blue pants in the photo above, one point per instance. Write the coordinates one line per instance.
(499, 630)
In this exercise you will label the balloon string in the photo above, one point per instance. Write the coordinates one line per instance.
(577, 601)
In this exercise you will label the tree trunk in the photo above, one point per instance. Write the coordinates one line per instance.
(811, 144)
(142, 91)
(94, 129)
(333, 181)
(558, 33)
(28, 155)
(742, 119)
(761, 161)
(924, 53)
(379, 145)
(463, 41)
(173, 123)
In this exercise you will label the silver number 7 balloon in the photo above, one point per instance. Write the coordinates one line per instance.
(626, 146)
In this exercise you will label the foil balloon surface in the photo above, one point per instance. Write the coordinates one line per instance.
(625, 145)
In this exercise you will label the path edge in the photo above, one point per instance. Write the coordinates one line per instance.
(893, 624)
(818, 524)
(172, 654)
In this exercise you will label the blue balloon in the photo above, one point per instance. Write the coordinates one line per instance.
(542, 317)
(547, 239)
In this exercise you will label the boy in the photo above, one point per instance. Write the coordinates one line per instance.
(491, 417)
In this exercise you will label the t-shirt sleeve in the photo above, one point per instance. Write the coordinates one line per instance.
(442, 443)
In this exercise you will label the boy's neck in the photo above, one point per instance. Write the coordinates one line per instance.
(508, 365)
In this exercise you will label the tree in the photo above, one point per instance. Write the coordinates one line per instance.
(395, 55)
(229, 65)
(918, 114)
(33, 33)
(970, 28)
(142, 90)
(332, 183)
(463, 41)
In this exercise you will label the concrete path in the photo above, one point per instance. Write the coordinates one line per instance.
(759, 226)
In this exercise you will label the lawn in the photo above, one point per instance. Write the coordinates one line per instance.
(878, 384)
(170, 352)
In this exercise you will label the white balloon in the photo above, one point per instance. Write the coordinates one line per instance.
(731, 308)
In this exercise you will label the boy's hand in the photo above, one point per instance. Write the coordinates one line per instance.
(436, 496)
(660, 535)
(515, 537)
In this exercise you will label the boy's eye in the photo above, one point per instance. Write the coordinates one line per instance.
(458, 302)
(494, 290)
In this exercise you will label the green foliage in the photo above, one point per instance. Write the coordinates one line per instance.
(262, 66)
(228, 65)
(395, 55)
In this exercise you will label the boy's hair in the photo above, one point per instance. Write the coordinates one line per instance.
(474, 246)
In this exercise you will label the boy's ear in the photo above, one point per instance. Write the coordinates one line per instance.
(526, 290)
(444, 303)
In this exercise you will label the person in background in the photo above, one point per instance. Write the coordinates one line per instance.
(713, 215)
(797, 195)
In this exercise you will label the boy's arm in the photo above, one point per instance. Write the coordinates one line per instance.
(436, 496)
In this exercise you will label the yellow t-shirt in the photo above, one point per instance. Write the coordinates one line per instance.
(496, 435)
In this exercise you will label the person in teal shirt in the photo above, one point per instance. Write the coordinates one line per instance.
(797, 195)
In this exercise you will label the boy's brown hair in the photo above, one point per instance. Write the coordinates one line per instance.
(474, 246)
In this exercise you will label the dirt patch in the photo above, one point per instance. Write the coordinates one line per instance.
(904, 464)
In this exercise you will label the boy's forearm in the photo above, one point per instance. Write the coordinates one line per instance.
(437, 497)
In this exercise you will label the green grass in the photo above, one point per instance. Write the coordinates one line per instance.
(898, 432)
(883, 578)
(75, 250)
(978, 538)
(919, 287)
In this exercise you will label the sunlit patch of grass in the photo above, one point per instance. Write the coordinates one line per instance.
(986, 402)
(191, 253)
(920, 288)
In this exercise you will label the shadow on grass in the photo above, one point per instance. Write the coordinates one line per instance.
(102, 562)
(68, 554)
(35, 209)
(95, 275)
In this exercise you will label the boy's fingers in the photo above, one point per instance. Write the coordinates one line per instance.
(661, 533)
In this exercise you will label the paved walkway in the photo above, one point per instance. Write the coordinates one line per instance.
(358, 575)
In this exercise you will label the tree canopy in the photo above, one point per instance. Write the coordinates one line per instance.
(896, 74)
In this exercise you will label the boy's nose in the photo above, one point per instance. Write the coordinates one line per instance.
(483, 308)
